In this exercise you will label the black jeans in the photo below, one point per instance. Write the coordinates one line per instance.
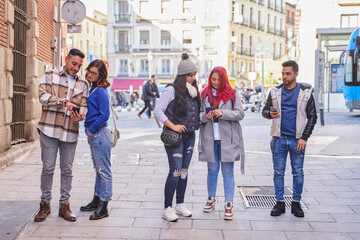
(147, 106)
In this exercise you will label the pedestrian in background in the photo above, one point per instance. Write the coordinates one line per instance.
(60, 93)
(178, 108)
(155, 89)
(147, 96)
(221, 138)
(100, 138)
(291, 105)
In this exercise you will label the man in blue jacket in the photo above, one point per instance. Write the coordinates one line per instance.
(147, 96)
(292, 108)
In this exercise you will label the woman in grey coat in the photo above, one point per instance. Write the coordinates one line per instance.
(221, 141)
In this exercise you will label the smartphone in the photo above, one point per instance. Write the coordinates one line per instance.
(273, 109)
(76, 109)
(208, 109)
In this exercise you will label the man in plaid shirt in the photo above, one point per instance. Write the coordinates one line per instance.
(60, 93)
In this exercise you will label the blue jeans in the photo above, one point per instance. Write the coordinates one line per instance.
(179, 160)
(100, 145)
(280, 147)
(227, 169)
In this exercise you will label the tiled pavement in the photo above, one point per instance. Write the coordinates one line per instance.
(331, 191)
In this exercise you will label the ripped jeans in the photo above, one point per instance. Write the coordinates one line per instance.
(100, 146)
(179, 160)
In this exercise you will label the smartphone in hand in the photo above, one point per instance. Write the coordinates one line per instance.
(273, 109)
(76, 109)
(208, 109)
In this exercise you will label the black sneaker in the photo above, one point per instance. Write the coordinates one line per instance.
(296, 209)
(278, 209)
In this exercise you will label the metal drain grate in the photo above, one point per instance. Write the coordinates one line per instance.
(264, 197)
(14, 216)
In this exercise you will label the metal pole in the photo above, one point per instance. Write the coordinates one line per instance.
(58, 35)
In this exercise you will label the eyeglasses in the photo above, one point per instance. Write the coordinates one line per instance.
(92, 73)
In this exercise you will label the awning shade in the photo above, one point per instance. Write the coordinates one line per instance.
(124, 84)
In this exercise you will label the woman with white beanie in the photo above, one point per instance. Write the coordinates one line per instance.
(178, 109)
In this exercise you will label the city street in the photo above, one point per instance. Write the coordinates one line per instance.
(331, 191)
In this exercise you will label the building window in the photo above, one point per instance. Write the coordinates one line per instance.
(274, 51)
(165, 6)
(251, 46)
(242, 69)
(165, 66)
(280, 52)
(144, 66)
(233, 68)
(122, 13)
(144, 37)
(275, 25)
(144, 7)
(251, 67)
(349, 20)
(209, 12)
(208, 67)
(187, 6)
(209, 39)
(81, 44)
(122, 68)
(187, 37)
(242, 43)
(165, 38)
(121, 41)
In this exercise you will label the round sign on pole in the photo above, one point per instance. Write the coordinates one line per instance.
(73, 11)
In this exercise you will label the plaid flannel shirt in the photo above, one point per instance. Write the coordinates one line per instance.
(53, 90)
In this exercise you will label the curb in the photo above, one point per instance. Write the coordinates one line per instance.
(16, 152)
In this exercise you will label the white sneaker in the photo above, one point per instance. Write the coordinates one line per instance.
(169, 215)
(182, 210)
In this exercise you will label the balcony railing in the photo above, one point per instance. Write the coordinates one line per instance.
(122, 17)
(270, 5)
(252, 24)
(261, 27)
(290, 21)
(282, 33)
(276, 31)
(122, 48)
(270, 29)
(277, 8)
(245, 22)
(254, 1)
(261, 2)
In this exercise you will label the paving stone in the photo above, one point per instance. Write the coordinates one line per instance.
(355, 236)
(335, 227)
(191, 234)
(221, 224)
(65, 231)
(330, 209)
(280, 226)
(128, 233)
(352, 218)
(316, 236)
(162, 223)
(251, 235)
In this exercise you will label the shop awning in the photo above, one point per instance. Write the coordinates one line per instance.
(124, 84)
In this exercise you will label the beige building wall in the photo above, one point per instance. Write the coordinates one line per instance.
(91, 40)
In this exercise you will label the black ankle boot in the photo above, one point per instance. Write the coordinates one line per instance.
(92, 206)
(101, 211)
(296, 209)
(278, 209)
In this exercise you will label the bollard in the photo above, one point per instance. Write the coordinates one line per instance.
(322, 122)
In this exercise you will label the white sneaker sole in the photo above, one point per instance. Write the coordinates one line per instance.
(228, 218)
(170, 220)
(184, 215)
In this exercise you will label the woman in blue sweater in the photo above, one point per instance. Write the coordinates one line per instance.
(100, 137)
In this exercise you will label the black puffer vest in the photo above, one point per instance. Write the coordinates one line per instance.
(192, 120)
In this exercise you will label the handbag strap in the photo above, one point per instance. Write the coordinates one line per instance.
(113, 113)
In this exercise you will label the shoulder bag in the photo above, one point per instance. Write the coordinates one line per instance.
(170, 138)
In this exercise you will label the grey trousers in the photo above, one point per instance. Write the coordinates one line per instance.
(49, 150)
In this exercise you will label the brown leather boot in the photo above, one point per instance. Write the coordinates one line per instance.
(65, 212)
(44, 211)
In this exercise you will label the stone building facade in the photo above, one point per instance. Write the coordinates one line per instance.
(26, 29)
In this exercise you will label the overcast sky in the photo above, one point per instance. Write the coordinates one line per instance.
(91, 5)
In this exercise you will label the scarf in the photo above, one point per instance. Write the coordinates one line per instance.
(191, 89)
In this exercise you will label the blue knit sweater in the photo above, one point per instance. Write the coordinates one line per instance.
(98, 109)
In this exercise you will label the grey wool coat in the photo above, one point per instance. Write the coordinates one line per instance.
(232, 143)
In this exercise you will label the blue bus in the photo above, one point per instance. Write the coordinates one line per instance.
(351, 89)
